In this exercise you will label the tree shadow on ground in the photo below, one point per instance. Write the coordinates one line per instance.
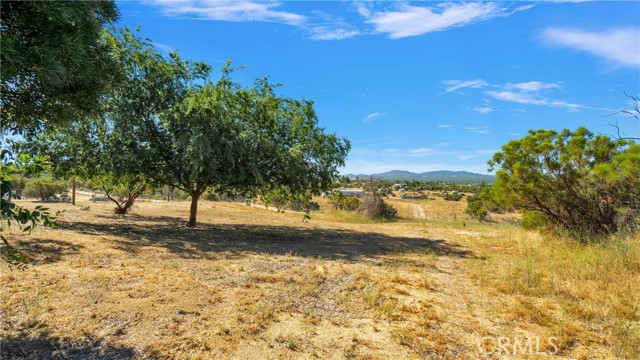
(42, 345)
(43, 250)
(237, 239)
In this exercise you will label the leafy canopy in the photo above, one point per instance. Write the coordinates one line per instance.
(55, 64)
(576, 180)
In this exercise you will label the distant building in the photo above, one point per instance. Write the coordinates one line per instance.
(351, 192)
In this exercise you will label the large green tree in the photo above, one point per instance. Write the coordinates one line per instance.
(108, 149)
(575, 180)
(55, 64)
(244, 141)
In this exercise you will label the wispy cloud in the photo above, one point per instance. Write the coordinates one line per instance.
(517, 97)
(483, 109)
(235, 11)
(324, 26)
(164, 47)
(484, 130)
(620, 46)
(372, 116)
(532, 86)
(444, 126)
(330, 33)
(453, 85)
(422, 151)
(318, 25)
(526, 93)
(408, 20)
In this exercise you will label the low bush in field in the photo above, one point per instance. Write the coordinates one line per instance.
(343, 202)
(43, 188)
(374, 206)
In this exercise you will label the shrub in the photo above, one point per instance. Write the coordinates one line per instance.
(343, 202)
(374, 207)
(43, 188)
(532, 220)
(575, 180)
(476, 208)
(453, 197)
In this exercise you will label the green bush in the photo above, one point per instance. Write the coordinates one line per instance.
(43, 188)
(453, 197)
(476, 208)
(343, 202)
(532, 220)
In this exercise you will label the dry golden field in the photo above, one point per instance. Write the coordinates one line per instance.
(250, 283)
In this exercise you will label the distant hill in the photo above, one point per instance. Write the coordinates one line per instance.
(432, 176)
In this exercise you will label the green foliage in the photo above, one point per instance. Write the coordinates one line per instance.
(18, 182)
(476, 208)
(55, 64)
(43, 188)
(11, 214)
(340, 201)
(107, 150)
(453, 196)
(534, 220)
(576, 180)
(243, 141)
(55, 68)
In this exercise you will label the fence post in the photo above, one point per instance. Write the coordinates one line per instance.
(73, 190)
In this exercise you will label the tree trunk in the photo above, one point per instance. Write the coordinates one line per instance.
(73, 191)
(195, 195)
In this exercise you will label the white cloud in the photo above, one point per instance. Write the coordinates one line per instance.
(410, 20)
(483, 109)
(527, 93)
(372, 116)
(235, 11)
(420, 151)
(466, 157)
(444, 126)
(517, 97)
(484, 130)
(532, 86)
(621, 46)
(164, 47)
(453, 85)
(330, 33)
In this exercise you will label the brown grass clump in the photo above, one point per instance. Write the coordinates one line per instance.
(252, 283)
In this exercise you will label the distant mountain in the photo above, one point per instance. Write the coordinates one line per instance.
(432, 176)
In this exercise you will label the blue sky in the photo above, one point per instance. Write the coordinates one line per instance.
(420, 86)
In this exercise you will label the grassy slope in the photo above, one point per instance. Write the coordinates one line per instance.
(251, 283)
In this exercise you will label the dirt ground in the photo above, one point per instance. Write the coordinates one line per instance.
(250, 283)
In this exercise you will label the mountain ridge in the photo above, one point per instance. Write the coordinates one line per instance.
(431, 176)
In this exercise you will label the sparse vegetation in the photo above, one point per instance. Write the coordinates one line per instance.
(251, 282)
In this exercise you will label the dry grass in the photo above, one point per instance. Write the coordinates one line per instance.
(251, 283)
